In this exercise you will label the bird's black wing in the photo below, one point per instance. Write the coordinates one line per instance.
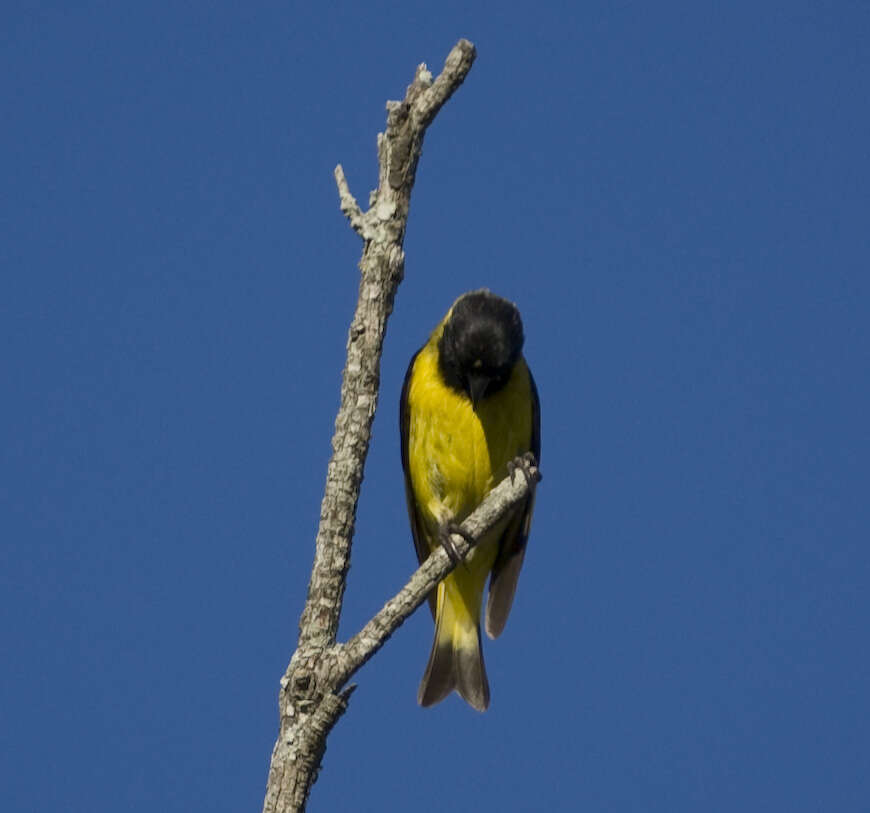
(420, 543)
(512, 546)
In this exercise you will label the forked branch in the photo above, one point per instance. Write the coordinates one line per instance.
(313, 694)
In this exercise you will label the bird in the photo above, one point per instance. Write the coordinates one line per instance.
(469, 415)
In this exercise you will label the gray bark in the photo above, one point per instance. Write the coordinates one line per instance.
(314, 691)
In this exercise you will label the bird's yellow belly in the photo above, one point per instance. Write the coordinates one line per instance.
(457, 454)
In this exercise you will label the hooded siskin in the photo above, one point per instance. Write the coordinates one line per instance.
(468, 408)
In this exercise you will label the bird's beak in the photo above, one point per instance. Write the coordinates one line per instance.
(477, 385)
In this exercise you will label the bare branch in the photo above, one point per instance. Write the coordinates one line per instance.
(456, 66)
(295, 764)
(382, 266)
(311, 700)
(347, 202)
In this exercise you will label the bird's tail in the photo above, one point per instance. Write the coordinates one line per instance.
(456, 660)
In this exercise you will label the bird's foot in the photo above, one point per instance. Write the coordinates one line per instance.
(447, 529)
(525, 463)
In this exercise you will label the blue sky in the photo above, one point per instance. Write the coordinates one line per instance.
(676, 196)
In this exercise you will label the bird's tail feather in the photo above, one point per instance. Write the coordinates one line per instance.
(456, 661)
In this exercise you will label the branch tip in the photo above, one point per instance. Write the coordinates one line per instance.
(456, 68)
(347, 202)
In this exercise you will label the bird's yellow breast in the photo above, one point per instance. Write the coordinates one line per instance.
(456, 454)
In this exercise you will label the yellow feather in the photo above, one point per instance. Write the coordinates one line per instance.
(455, 456)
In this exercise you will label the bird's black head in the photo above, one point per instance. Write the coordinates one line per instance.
(481, 343)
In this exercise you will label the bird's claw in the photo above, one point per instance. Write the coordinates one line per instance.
(447, 543)
(525, 463)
